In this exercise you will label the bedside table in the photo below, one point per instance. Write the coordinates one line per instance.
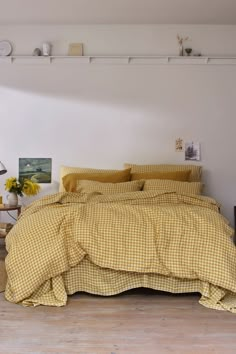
(7, 207)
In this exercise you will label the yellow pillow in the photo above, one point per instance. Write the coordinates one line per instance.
(70, 180)
(195, 175)
(86, 186)
(65, 170)
(175, 175)
(176, 186)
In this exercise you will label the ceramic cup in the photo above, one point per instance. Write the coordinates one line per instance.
(46, 48)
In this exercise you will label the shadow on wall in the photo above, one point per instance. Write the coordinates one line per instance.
(136, 86)
(105, 115)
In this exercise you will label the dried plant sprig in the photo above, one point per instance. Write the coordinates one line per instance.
(182, 39)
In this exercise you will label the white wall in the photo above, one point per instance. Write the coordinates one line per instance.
(105, 115)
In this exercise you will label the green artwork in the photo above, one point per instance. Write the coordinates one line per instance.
(38, 170)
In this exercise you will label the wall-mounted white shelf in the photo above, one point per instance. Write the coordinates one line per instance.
(118, 60)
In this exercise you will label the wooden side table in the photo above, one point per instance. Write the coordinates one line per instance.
(7, 207)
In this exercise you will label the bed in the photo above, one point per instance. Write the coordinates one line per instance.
(105, 237)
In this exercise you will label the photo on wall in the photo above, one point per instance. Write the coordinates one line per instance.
(39, 170)
(192, 151)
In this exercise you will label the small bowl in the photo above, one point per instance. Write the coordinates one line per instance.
(188, 51)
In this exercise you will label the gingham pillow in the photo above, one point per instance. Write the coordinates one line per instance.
(86, 186)
(176, 186)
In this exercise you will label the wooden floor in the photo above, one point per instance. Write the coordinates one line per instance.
(138, 322)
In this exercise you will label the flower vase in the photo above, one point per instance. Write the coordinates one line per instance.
(12, 199)
(181, 50)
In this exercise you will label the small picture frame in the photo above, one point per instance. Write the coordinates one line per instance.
(192, 151)
(39, 170)
(75, 49)
(179, 145)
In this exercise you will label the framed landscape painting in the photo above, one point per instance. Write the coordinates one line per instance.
(39, 170)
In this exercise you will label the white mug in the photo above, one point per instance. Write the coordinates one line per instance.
(46, 48)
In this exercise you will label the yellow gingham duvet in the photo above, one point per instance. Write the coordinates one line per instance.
(105, 244)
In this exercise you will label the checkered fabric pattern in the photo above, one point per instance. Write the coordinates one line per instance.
(195, 175)
(176, 186)
(105, 244)
(85, 186)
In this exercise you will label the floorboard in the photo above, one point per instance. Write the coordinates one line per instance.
(140, 321)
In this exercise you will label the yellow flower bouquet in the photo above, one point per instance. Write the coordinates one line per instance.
(21, 187)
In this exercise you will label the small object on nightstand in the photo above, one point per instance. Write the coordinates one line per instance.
(6, 227)
(12, 199)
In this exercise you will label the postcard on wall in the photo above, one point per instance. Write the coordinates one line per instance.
(192, 151)
(179, 145)
(38, 170)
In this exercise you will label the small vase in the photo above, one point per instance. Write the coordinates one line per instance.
(12, 199)
(181, 50)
